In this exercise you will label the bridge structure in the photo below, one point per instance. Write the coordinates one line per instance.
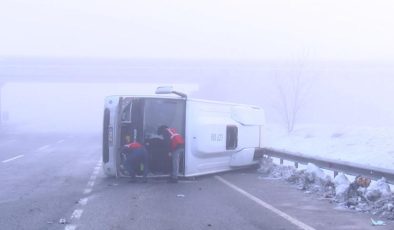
(84, 71)
(208, 75)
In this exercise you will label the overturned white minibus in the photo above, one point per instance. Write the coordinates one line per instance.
(218, 136)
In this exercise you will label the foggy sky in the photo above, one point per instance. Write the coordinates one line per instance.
(355, 37)
(66, 107)
(214, 29)
(346, 96)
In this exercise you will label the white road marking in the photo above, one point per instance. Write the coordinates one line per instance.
(87, 191)
(90, 183)
(89, 187)
(60, 141)
(93, 177)
(43, 148)
(292, 220)
(70, 227)
(14, 158)
(83, 201)
(77, 214)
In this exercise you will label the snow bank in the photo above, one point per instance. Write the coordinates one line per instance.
(359, 195)
(379, 189)
(341, 183)
(311, 179)
(268, 168)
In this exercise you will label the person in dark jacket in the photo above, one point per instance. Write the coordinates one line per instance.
(135, 155)
(175, 145)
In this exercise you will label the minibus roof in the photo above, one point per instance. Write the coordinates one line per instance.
(187, 99)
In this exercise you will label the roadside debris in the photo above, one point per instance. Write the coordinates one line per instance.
(62, 221)
(377, 222)
(362, 194)
(276, 171)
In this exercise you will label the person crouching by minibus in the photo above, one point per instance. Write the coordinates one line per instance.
(175, 145)
(136, 154)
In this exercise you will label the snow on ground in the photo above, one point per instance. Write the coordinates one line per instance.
(360, 195)
(364, 145)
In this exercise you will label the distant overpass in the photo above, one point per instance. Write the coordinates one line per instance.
(208, 74)
(40, 70)
(109, 70)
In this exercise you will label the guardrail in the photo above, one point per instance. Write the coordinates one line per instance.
(333, 165)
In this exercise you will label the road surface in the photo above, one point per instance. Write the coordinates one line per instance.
(55, 181)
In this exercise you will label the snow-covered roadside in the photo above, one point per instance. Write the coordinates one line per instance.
(360, 195)
(364, 145)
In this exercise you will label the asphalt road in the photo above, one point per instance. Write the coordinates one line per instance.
(48, 177)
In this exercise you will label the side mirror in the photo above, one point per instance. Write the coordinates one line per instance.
(168, 90)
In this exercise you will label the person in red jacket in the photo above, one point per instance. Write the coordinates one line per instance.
(135, 155)
(175, 145)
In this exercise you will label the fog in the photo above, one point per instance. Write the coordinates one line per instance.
(353, 94)
(218, 29)
(59, 59)
(65, 107)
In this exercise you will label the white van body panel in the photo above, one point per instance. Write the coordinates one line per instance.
(206, 124)
(247, 115)
(206, 127)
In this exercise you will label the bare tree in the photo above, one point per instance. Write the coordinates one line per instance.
(292, 88)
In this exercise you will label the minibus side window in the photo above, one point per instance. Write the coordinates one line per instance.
(231, 137)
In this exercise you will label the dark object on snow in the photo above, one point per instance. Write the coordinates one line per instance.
(62, 221)
(363, 181)
(353, 194)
